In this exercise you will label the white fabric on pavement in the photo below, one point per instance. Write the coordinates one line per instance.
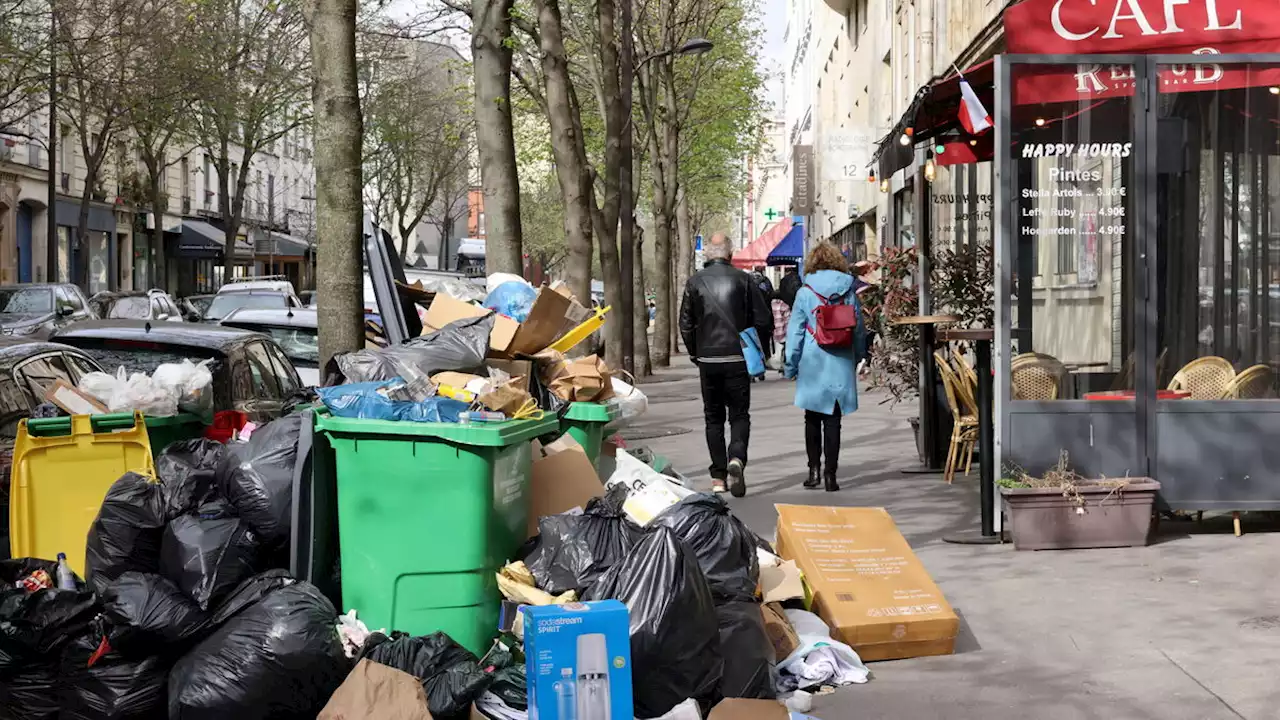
(818, 660)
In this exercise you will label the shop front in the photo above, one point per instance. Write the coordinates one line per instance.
(1137, 235)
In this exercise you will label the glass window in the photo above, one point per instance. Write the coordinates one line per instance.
(1073, 161)
(36, 376)
(264, 381)
(1218, 269)
(137, 355)
(79, 365)
(74, 299)
(224, 304)
(21, 301)
(130, 308)
(286, 376)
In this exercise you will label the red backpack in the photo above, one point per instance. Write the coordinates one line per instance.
(835, 322)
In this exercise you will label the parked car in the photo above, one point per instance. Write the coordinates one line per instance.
(250, 371)
(27, 370)
(194, 307)
(254, 293)
(35, 311)
(293, 330)
(136, 305)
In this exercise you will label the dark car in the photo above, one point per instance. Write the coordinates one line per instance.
(136, 305)
(27, 370)
(195, 306)
(35, 311)
(250, 371)
(294, 330)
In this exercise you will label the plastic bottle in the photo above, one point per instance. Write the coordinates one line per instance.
(566, 696)
(66, 578)
(593, 678)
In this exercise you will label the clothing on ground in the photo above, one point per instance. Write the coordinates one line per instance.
(825, 377)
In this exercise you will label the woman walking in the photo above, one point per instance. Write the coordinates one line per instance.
(826, 386)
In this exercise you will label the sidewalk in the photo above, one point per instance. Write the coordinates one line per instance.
(1186, 628)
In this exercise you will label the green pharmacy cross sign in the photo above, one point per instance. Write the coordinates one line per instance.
(771, 214)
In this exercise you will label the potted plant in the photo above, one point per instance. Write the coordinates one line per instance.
(1063, 510)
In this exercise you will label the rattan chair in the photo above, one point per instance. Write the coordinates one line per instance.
(1206, 378)
(1036, 377)
(966, 372)
(964, 426)
(1252, 384)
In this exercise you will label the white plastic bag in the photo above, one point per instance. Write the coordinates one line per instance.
(649, 491)
(631, 403)
(100, 385)
(499, 278)
(143, 394)
(189, 383)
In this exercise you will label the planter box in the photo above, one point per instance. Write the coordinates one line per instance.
(1042, 519)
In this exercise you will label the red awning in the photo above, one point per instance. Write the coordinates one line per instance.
(757, 252)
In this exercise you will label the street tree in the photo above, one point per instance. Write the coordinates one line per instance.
(24, 63)
(419, 135)
(339, 215)
(253, 87)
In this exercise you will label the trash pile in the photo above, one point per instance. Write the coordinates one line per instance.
(173, 388)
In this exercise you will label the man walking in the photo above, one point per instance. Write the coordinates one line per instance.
(719, 303)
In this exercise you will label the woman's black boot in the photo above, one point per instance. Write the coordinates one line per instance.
(829, 481)
(815, 478)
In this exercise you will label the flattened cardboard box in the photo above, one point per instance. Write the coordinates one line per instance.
(867, 583)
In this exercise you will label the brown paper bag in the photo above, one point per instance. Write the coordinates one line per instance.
(377, 692)
(507, 399)
(584, 380)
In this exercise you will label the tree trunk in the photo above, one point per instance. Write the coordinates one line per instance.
(80, 272)
(565, 148)
(491, 63)
(158, 277)
(639, 318)
(683, 255)
(626, 201)
(339, 215)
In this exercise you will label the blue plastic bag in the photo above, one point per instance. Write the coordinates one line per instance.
(752, 351)
(364, 401)
(513, 299)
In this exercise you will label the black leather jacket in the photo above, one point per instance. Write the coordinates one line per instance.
(719, 302)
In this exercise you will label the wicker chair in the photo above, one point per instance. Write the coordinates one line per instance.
(1206, 378)
(1252, 384)
(966, 372)
(1036, 377)
(964, 427)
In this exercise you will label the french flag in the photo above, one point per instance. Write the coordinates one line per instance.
(973, 116)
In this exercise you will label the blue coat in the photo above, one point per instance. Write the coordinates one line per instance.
(824, 376)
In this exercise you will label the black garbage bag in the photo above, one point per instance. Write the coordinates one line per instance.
(127, 533)
(30, 691)
(187, 469)
(207, 553)
(257, 478)
(278, 658)
(451, 675)
(461, 345)
(510, 682)
(146, 615)
(747, 652)
(35, 625)
(572, 551)
(110, 687)
(675, 634)
(725, 546)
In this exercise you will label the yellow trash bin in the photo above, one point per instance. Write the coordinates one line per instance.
(58, 482)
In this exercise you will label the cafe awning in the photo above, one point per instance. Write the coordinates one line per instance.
(202, 240)
(790, 250)
(757, 252)
(935, 111)
(282, 245)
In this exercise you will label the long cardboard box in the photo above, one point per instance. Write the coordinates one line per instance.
(867, 584)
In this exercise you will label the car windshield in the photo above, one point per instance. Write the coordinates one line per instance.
(20, 301)
(130, 308)
(301, 345)
(223, 305)
(138, 355)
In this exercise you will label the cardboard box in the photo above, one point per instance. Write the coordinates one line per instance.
(542, 327)
(73, 400)
(744, 709)
(782, 583)
(377, 692)
(780, 632)
(446, 309)
(579, 651)
(562, 478)
(522, 369)
(867, 584)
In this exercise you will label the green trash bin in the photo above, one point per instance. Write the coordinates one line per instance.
(160, 430)
(427, 514)
(585, 422)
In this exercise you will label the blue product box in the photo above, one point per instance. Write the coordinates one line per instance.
(578, 661)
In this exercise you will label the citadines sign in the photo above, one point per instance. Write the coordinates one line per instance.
(1141, 26)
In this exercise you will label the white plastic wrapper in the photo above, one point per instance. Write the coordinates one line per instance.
(497, 279)
(173, 386)
(631, 403)
(190, 383)
(650, 492)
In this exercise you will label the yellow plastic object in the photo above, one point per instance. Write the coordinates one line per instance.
(580, 333)
(58, 483)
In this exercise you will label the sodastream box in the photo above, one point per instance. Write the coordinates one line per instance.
(578, 661)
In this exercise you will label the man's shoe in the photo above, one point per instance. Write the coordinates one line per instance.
(829, 481)
(737, 483)
(815, 478)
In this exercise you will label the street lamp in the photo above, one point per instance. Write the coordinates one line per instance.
(695, 46)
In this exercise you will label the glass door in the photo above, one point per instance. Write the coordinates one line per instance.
(1071, 152)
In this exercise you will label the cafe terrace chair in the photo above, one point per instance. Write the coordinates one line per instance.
(966, 372)
(964, 427)
(1036, 378)
(1206, 378)
(1252, 384)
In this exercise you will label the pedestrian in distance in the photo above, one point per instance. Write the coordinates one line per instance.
(824, 344)
(719, 303)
